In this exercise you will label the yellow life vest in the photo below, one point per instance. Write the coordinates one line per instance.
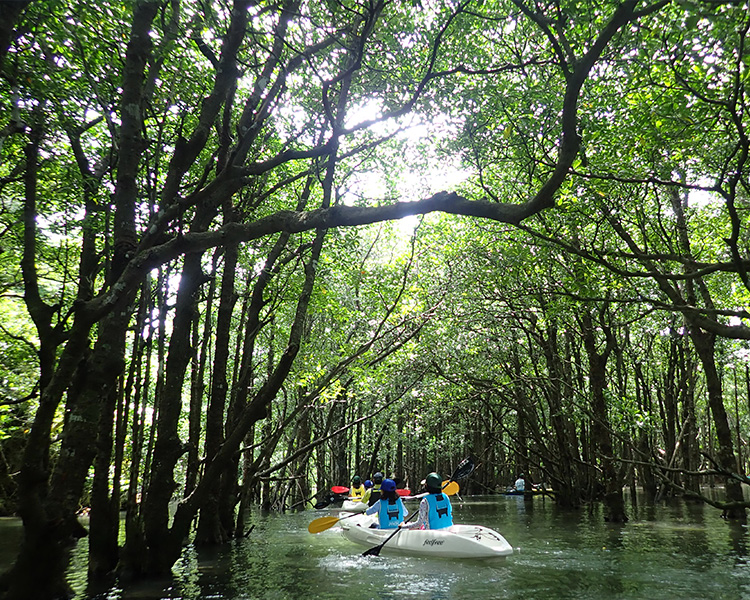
(357, 493)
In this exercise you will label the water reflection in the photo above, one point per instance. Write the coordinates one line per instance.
(676, 550)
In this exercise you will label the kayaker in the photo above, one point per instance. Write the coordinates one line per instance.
(368, 491)
(520, 483)
(377, 481)
(389, 508)
(435, 510)
(357, 491)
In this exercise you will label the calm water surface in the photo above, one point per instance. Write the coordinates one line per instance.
(668, 552)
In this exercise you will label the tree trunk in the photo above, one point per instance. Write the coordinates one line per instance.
(567, 483)
(162, 553)
(49, 519)
(168, 448)
(600, 427)
(104, 522)
(690, 444)
(705, 347)
(210, 530)
(10, 12)
(643, 437)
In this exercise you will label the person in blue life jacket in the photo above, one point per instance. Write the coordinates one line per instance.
(357, 491)
(389, 508)
(377, 481)
(435, 510)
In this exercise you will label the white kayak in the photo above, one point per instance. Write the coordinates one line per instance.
(354, 507)
(456, 541)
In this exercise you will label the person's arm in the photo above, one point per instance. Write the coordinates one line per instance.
(373, 509)
(422, 520)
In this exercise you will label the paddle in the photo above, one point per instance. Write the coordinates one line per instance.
(400, 491)
(463, 470)
(330, 499)
(323, 503)
(450, 488)
(323, 523)
(340, 489)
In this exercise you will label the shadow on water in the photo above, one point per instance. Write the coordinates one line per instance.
(674, 550)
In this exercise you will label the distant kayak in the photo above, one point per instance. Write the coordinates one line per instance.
(354, 507)
(534, 492)
(456, 541)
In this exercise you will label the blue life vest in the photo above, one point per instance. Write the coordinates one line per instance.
(440, 512)
(391, 513)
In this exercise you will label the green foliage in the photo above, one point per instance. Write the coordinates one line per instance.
(18, 360)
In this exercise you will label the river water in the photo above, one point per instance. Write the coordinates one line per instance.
(673, 551)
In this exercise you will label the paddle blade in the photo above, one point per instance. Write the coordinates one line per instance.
(373, 551)
(450, 488)
(321, 524)
(340, 489)
(464, 469)
(323, 504)
(403, 492)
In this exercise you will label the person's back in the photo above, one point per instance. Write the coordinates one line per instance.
(377, 481)
(389, 508)
(357, 491)
(435, 509)
(439, 511)
(391, 513)
(520, 484)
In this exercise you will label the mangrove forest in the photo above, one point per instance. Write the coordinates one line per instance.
(250, 249)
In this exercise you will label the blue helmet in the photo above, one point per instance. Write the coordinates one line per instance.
(368, 484)
(388, 485)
